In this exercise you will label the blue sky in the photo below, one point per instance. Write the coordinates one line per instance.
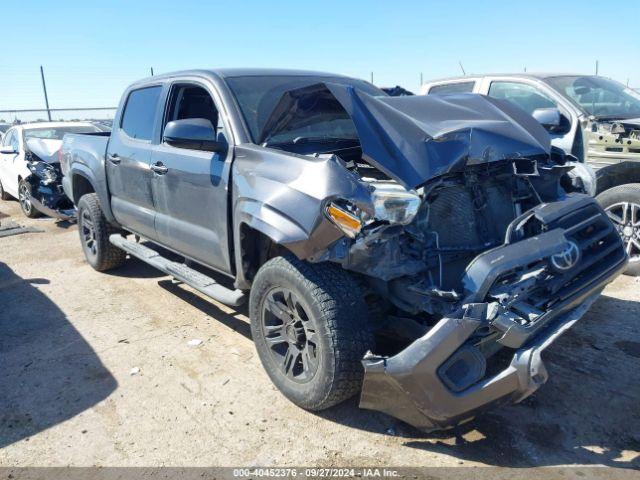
(91, 50)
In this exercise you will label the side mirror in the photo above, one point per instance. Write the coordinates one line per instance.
(549, 118)
(194, 134)
(8, 150)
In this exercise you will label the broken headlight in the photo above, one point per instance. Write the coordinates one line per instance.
(391, 203)
(49, 175)
(395, 204)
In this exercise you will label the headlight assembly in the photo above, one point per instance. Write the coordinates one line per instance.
(391, 203)
(395, 204)
(49, 175)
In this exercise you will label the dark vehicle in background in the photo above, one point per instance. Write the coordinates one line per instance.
(418, 249)
(593, 118)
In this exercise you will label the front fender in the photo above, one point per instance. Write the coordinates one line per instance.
(283, 196)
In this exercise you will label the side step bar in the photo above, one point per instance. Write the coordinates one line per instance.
(180, 271)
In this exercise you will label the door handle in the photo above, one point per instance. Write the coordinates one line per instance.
(114, 158)
(159, 168)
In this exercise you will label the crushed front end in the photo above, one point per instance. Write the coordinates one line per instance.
(472, 255)
(497, 262)
(47, 195)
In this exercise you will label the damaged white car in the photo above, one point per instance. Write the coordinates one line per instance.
(30, 168)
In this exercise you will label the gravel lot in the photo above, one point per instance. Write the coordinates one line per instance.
(70, 337)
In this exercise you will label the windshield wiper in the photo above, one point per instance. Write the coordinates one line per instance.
(319, 140)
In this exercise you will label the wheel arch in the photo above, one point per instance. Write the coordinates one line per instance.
(82, 183)
(257, 242)
(617, 174)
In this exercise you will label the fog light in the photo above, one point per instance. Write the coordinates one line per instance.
(462, 369)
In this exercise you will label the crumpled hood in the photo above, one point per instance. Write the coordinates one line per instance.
(45, 149)
(414, 139)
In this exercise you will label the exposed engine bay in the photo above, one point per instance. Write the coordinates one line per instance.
(616, 139)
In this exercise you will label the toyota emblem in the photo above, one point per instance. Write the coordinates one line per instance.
(567, 259)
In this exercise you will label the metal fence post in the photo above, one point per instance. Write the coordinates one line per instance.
(44, 88)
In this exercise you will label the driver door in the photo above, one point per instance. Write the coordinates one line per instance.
(529, 97)
(189, 187)
(8, 161)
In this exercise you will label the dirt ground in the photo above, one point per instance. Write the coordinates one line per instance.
(70, 337)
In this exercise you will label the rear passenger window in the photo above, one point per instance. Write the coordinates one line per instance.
(459, 87)
(140, 112)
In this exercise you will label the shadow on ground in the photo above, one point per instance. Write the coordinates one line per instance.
(49, 372)
(588, 413)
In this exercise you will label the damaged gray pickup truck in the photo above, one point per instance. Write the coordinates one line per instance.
(421, 250)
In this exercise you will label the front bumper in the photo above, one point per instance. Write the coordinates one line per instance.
(441, 380)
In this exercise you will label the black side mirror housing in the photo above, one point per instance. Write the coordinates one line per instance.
(194, 134)
(549, 118)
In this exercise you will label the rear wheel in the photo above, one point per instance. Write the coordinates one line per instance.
(24, 197)
(94, 233)
(309, 323)
(622, 204)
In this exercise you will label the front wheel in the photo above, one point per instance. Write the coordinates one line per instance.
(622, 204)
(94, 233)
(309, 324)
(24, 197)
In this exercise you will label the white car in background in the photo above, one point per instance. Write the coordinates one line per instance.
(23, 146)
(593, 118)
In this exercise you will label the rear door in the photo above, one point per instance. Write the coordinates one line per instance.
(129, 158)
(190, 187)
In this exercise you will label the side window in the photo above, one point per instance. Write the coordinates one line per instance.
(458, 87)
(7, 138)
(11, 139)
(139, 112)
(525, 96)
(191, 101)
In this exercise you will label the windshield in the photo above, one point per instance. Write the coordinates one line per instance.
(600, 97)
(258, 96)
(57, 133)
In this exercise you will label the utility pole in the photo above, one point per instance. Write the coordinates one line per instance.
(462, 68)
(421, 81)
(44, 88)
(371, 77)
(152, 71)
(596, 67)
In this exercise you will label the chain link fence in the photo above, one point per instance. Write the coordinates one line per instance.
(98, 114)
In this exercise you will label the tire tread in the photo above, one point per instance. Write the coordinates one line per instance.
(109, 256)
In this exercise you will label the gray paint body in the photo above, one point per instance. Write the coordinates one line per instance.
(198, 209)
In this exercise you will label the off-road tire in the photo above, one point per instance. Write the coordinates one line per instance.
(335, 303)
(623, 193)
(105, 256)
(30, 212)
(4, 195)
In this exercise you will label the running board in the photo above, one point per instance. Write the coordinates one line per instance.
(180, 271)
